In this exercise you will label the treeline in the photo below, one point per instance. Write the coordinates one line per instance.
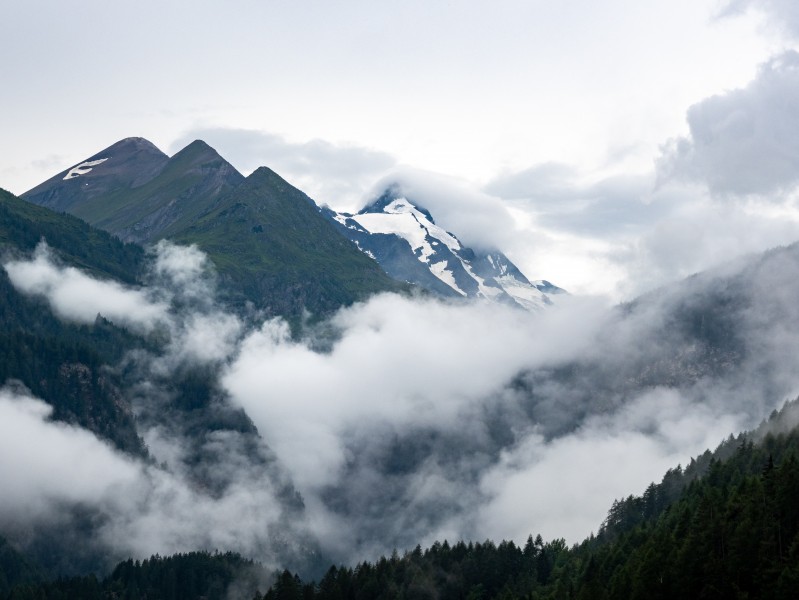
(727, 526)
(193, 575)
(23, 225)
(732, 531)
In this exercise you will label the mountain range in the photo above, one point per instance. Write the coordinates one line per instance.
(723, 341)
(274, 245)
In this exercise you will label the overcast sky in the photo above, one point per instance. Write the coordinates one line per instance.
(632, 143)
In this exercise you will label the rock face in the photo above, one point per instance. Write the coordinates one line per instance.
(404, 238)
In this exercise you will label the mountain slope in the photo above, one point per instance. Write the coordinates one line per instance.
(268, 239)
(403, 237)
(136, 192)
(84, 187)
(113, 383)
(726, 527)
(63, 363)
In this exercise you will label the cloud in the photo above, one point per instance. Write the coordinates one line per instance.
(564, 488)
(743, 141)
(179, 300)
(208, 483)
(182, 270)
(138, 508)
(76, 296)
(334, 174)
(782, 14)
(405, 420)
(426, 420)
(477, 219)
(46, 462)
(617, 205)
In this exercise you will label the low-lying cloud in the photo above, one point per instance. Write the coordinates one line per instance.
(404, 420)
(76, 296)
(426, 420)
(52, 461)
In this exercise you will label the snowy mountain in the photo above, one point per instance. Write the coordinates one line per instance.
(404, 238)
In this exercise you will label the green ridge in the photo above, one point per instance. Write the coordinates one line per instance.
(270, 241)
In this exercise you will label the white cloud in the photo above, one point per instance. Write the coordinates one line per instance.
(565, 487)
(477, 219)
(782, 14)
(76, 296)
(44, 462)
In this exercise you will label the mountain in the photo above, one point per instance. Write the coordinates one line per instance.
(60, 362)
(269, 240)
(137, 192)
(85, 188)
(109, 381)
(266, 239)
(404, 239)
(725, 526)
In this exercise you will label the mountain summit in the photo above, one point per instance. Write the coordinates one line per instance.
(404, 238)
(266, 239)
(270, 243)
(137, 192)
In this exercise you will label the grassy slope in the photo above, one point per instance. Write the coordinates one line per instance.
(268, 238)
(184, 182)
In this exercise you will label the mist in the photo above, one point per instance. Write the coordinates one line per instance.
(397, 421)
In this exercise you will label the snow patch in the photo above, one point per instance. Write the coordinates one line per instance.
(439, 269)
(83, 168)
(526, 295)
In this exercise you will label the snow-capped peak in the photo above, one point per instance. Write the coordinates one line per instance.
(403, 237)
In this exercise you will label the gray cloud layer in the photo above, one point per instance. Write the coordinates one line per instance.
(743, 141)
(783, 14)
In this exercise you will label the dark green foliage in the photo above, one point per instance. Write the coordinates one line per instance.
(59, 362)
(182, 576)
(23, 225)
(15, 569)
(727, 526)
(462, 571)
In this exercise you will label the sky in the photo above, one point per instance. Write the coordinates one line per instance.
(610, 148)
(613, 146)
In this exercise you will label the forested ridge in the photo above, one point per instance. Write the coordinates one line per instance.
(58, 361)
(725, 526)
